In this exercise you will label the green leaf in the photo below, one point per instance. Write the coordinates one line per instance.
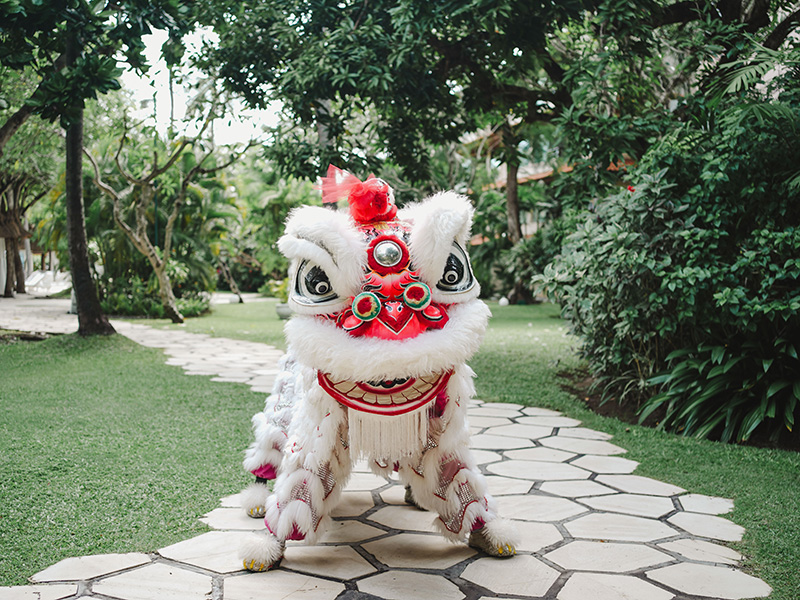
(777, 386)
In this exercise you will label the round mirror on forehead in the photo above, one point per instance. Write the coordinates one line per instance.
(387, 253)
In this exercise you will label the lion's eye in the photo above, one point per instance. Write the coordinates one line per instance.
(312, 285)
(457, 276)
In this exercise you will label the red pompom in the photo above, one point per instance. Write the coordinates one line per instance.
(372, 200)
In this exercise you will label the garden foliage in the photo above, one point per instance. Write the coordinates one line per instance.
(689, 278)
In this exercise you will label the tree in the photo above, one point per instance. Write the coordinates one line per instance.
(189, 159)
(23, 181)
(427, 72)
(72, 45)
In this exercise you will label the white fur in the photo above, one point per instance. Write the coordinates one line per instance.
(254, 496)
(262, 547)
(438, 222)
(333, 350)
(501, 532)
(329, 240)
(311, 429)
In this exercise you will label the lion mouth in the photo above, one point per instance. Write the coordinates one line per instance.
(385, 397)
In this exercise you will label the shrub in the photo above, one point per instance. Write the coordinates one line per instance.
(688, 282)
(132, 297)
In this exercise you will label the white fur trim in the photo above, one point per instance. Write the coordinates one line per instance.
(502, 532)
(332, 350)
(254, 496)
(437, 222)
(329, 240)
(263, 548)
(473, 512)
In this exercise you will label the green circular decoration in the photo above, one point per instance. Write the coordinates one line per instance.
(366, 306)
(417, 296)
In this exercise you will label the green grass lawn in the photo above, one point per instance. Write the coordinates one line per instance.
(105, 449)
(251, 321)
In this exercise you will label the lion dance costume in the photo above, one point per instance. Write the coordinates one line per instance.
(386, 316)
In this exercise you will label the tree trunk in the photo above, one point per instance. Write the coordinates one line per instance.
(11, 244)
(226, 273)
(19, 269)
(91, 320)
(512, 194)
(167, 297)
(512, 203)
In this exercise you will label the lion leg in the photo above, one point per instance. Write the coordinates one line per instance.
(270, 430)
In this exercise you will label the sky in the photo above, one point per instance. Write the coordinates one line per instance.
(240, 127)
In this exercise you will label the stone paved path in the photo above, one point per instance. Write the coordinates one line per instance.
(591, 529)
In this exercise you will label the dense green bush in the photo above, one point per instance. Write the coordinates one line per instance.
(133, 297)
(687, 283)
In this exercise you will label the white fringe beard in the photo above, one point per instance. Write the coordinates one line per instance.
(388, 438)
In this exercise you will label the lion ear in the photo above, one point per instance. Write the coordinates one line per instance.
(441, 227)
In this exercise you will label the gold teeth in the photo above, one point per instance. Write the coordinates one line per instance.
(420, 387)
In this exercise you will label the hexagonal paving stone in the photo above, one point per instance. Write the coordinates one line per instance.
(88, 567)
(521, 575)
(538, 508)
(156, 582)
(477, 421)
(580, 446)
(361, 466)
(232, 501)
(353, 504)
(529, 432)
(703, 551)
(632, 504)
(38, 592)
(508, 405)
(489, 410)
(349, 531)
(413, 550)
(535, 536)
(489, 441)
(483, 457)
(584, 433)
(541, 454)
(537, 471)
(599, 586)
(363, 482)
(281, 584)
(216, 551)
(635, 484)
(404, 518)
(606, 556)
(708, 526)
(405, 585)
(231, 519)
(394, 495)
(576, 489)
(606, 464)
(502, 486)
(340, 562)
(598, 526)
(710, 505)
(720, 583)
(535, 411)
(549, 421)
